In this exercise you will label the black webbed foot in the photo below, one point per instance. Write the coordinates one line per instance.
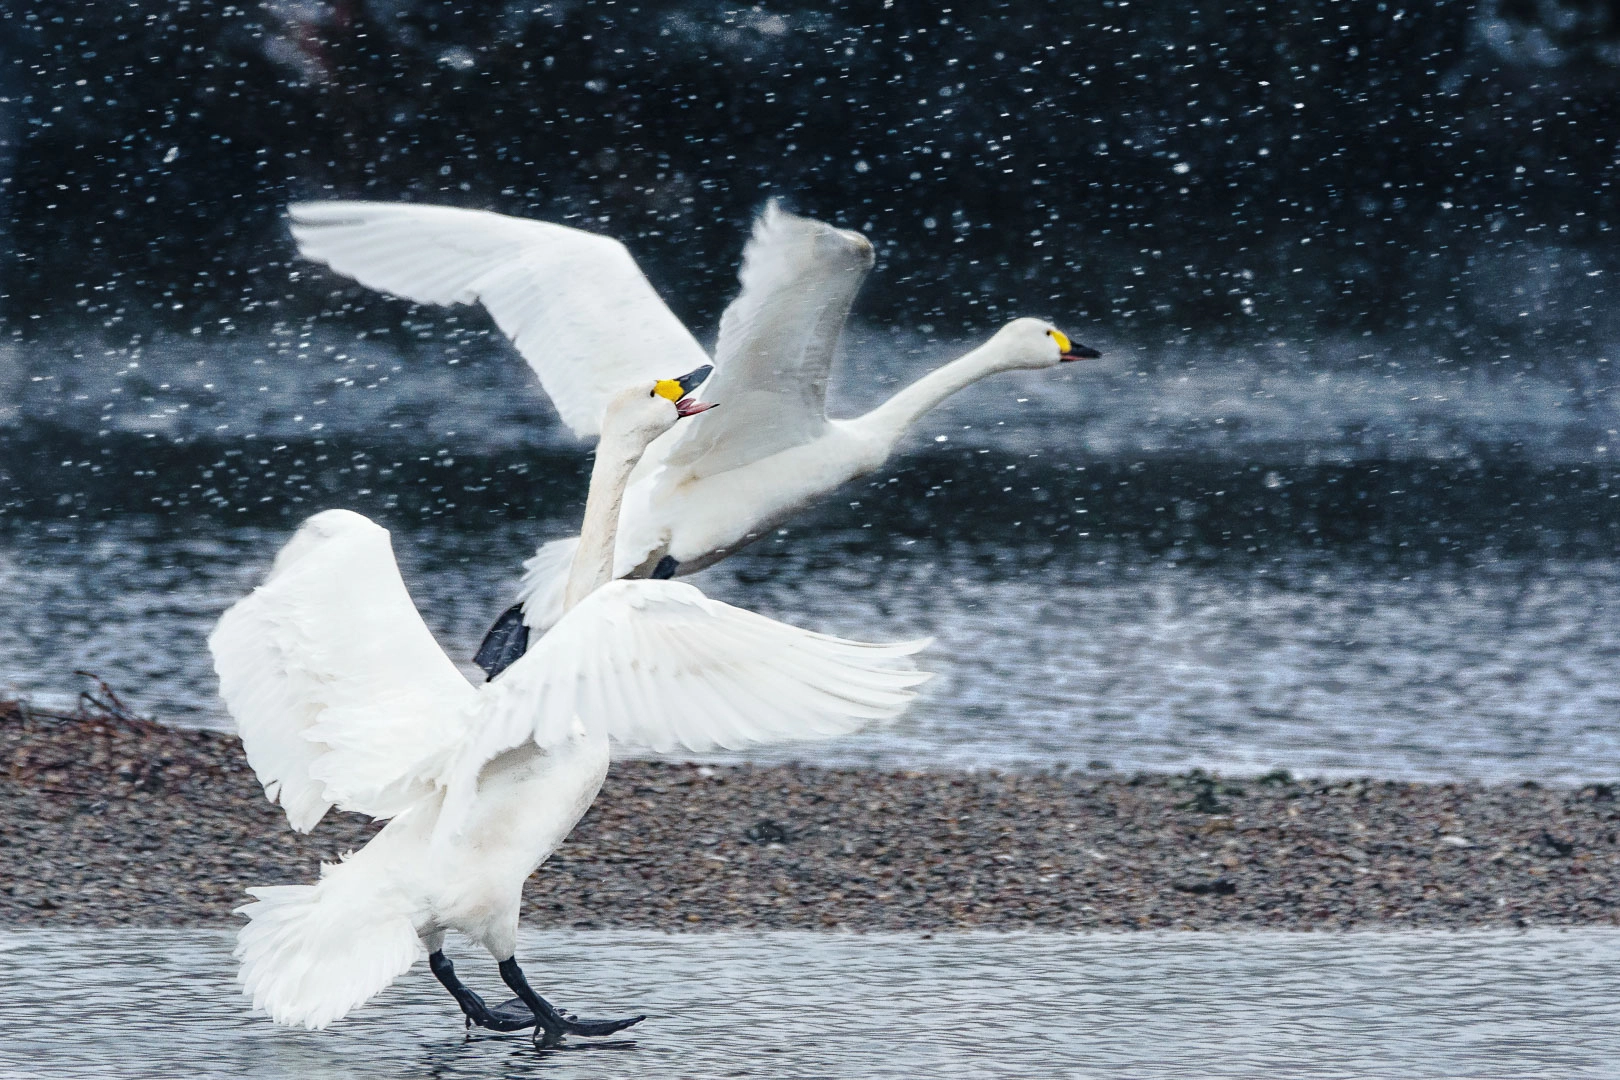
(526, 1010)
(506, 641)
(666, 568)
(510, 1015)
(552, 1024)
(593, 1028)
(571, 1025)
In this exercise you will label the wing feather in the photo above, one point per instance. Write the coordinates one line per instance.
(777, 340)
(575, 304)
(658, 664)
(339, 692)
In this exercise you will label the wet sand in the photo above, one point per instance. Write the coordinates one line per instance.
(110, 820)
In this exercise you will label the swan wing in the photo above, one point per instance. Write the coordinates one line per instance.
(658, 664)
(575, 304)
(777, 339)
(339, 691)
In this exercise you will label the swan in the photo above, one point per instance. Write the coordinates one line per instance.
(342, 698)
(569, 300)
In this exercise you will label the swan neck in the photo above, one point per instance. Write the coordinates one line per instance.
(895, 417)
(593, 559)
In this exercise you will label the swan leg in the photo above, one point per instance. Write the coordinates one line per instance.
(666, 568)
(552, 1024)
(511, 1015)
(507, 640)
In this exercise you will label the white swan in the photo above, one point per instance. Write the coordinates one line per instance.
(571, 301)
(342, 698)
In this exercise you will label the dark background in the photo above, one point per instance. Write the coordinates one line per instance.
(1443, 170)
(1352, 268)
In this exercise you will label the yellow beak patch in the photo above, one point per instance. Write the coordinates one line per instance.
(1062, 340)
(668, 388)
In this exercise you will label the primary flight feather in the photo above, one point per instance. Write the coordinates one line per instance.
(570, 300)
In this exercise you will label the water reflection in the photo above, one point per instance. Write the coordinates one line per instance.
(162, 1003)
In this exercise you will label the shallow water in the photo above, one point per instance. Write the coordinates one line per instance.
(1343, 558)
(1502, 671)
(1539, 1004)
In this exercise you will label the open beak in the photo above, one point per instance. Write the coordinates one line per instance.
(678, 391)
(690, 382)
(687, 407)
(693, 379)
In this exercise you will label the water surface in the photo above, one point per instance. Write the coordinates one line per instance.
(1501, 671)
(1331, 558)
(141, 1004)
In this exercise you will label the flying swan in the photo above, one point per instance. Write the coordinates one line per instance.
(342, 698)
(571, 300)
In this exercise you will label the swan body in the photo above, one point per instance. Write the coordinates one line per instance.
(699, 519)
(343, 699)
(565, 297)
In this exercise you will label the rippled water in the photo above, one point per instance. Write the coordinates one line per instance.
(1501, 671)
(1334, 558)
(114, 1004)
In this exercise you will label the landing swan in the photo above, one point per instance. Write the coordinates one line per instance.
(571, 300)
(343, 698)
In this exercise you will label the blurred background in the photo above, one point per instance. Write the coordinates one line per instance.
(1338, 498)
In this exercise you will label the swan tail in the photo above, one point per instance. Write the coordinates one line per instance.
(545, 577)
(311, 953)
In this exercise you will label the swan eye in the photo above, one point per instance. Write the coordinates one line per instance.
(1061, 338)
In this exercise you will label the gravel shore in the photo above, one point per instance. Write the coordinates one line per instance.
(111, 820)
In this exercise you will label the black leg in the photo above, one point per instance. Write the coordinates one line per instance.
(509, 1016)
(553, 1025)
(507, 640)
(666, 568)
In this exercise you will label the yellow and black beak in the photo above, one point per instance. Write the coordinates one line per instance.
(1069, 351)
(676, 390)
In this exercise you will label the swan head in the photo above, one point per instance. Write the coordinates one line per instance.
(1036, 343)
(640, 414)
(676, 390)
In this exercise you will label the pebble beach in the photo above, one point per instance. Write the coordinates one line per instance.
(112, 820)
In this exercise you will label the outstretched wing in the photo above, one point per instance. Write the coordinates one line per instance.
(574, 303)
(658, 664)
(777, 340)
(339, 691)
